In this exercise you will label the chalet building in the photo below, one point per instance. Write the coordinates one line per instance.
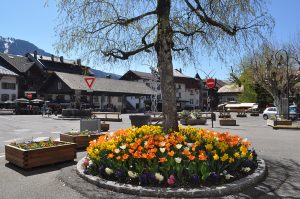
(8, 85)
(187, 89)
(107, 94)
(33, 70)
(229, 93)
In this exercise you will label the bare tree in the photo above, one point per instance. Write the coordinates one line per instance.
(162, 30)
(276, 70)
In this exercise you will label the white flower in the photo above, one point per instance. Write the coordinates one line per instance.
(178, 146)
(187, 148)
(145, 143)
(246, 169)
(162, 150)
(162, 143)
(90, 162)
(117, 150)
(189, 144)
(123, 147)
(159, 177)
(132, 174)
(244, 140)
(109, 171)
(178, 160)
(228, 176)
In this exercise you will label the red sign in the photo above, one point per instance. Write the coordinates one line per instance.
(89, 81)
(210, 83)
(29, 96)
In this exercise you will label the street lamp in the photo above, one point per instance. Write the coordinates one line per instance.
(287, 74)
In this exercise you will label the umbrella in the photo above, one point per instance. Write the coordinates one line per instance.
(22, 100)
(37, 101)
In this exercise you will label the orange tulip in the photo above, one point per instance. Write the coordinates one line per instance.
(125, 157)
(191, 157)
(163, 160)
(111, 155)
(171, 153)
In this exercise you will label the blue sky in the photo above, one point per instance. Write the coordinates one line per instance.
(31, 20)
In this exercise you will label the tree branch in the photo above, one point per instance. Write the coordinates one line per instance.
(126, 22)
(119, 54)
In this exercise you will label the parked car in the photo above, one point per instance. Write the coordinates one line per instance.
(272, 111)
(269, 112)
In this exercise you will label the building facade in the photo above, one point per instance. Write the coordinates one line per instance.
(187, 89)
(8, 85)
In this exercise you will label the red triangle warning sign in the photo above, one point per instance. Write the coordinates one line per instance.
(89, 81)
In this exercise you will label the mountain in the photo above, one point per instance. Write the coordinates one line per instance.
(99, 73)
(19, 47)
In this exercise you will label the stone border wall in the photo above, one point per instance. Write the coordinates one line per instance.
(215, 191)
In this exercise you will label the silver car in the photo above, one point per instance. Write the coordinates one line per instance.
(269, 112)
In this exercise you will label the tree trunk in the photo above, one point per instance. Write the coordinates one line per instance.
(163, 47)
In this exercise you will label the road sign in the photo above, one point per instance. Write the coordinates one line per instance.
(29, 96)
(210, 83)
(89, 81)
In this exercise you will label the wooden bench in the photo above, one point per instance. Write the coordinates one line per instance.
(108, 116)
(155, 117)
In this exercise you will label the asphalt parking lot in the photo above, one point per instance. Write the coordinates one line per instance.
(280, 149)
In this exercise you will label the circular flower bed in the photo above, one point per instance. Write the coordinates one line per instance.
(148, 156)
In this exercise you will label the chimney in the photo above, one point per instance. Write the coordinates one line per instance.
(35, 54)
(180, 70)
(108, 76)
(52, 57)
(79, 62)
(61, 58)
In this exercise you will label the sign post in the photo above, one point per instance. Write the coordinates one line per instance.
(89, 82)
(210, 84)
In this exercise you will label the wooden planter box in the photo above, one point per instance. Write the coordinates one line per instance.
(201, 121)
(228, 122)
(38, 157)
(81, 141)
(279, 122)
(104, 127)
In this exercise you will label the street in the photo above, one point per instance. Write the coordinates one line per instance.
(280, 149)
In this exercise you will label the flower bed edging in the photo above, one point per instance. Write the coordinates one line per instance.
(226, 189)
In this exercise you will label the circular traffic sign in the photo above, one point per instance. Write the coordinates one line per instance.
(210, 83)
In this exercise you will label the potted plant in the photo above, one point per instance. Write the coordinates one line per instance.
(81, 139)
(33, 154)
(184, 117)
(275, 121)
(227, 122)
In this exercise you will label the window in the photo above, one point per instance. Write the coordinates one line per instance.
(4, 97)
(179, 95)
(197, 102)
(11, 86)
(59, 85)
(179, 86)
(13, 97)
(119, 99)
(191, 101)
(96, 99)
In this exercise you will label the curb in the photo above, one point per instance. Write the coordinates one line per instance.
(226, 189)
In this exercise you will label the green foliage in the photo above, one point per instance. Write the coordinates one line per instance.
(249, 94)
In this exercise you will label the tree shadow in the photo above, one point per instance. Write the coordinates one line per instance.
(282, 181)
(40, 169)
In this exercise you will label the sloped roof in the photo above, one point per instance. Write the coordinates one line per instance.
(144, 75)
(231, 88)
(77, 82)
(22, 64)
(4, 71)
